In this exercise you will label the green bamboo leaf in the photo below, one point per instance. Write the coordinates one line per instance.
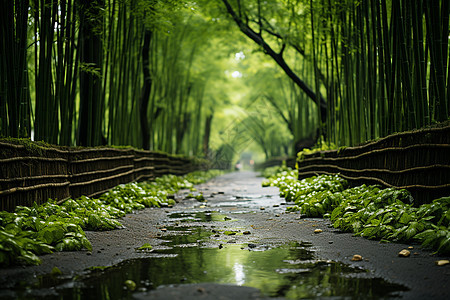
(404, 218)
(13, 229)
(410, 232)
(146, 246)
(444, 245)
(28, 258)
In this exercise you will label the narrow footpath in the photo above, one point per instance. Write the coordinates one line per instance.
(240, 243)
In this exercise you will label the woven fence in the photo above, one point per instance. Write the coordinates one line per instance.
(418, 161)
(276, 161)
(35, 174)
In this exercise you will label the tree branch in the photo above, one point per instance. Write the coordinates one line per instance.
(280, 112)
(257, 38)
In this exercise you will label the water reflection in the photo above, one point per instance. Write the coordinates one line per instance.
(288, 270)
(239, 274)
(198, 216)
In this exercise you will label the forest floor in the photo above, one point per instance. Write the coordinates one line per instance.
(233, 246)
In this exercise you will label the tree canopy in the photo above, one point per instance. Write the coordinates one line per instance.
(197, 78)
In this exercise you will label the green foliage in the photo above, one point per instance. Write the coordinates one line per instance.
(369, 211)
(32, 231)
(56, 271)
(146, 246)
(90, 68)
(200, 197)
(321, 146)
(35, 147)
(130, 285)
(16, 248)
(272, 171)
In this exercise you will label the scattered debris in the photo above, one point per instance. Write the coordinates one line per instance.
(130, 285)
(56, 271)
(357, 257)
(146, 247)
(200, 198)
(229, 232)
(442, 262)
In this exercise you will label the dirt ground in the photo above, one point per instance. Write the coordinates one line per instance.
(260, 212)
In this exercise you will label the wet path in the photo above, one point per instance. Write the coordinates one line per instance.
(239, 244)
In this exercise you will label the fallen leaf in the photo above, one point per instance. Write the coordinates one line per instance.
(146, 246)
(228, 232)
(442, 262)
(56, 271)
(318, 231)
(357, 257)
(404, 253)
(130, 284)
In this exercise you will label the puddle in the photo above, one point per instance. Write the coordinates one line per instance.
(249, 201)
(188, 257)
(180, 236)
(198, 216)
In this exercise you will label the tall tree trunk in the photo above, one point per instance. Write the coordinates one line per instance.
(90, 43)
(46, 124)
(146, 89)
(207, 134)
(14, 90)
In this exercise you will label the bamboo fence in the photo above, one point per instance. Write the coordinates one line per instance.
(36, 174)
(276, 161)
(418, 161)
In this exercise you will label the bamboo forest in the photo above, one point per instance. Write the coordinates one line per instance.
(178, 76)
(224, 149)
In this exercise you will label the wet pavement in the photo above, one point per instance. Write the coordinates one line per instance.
(239, 244)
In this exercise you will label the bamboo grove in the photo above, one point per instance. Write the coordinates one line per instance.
(101, 72)
(150, 74)
(386, 65)
(378, 66)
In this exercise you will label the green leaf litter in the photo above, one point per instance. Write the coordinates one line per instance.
(31, 231)
(372, 212)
